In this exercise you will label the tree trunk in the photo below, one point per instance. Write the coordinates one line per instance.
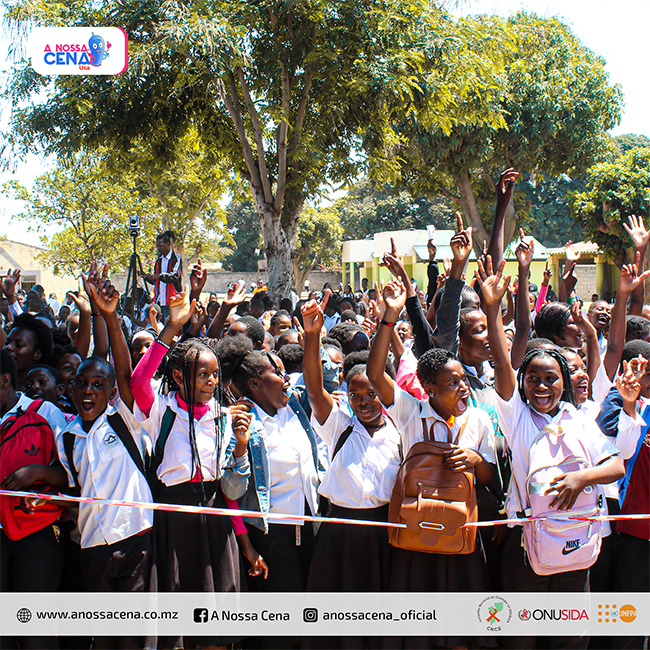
(471, 214)
(279, 232)
(301, 275)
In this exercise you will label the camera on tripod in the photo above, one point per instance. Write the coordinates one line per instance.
(134, 226)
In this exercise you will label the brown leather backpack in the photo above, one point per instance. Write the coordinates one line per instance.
(433, 501)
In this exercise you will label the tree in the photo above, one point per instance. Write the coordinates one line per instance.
(244, 228)
(92, 194)
(91, 206)
(292, 93)
(319, 242)
(557, 106)
(614, 191)
(629, 141)
(366, 210)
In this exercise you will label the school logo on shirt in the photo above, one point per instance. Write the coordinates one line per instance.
(110, 439)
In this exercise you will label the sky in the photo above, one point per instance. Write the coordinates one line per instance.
(617, 31)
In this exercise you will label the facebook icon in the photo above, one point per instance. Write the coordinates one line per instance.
(200, 615)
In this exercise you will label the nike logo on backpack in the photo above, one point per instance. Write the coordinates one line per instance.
(570, 546)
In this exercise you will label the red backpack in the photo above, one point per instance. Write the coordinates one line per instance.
(26, 438)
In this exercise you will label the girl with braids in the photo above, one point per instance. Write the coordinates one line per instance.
(200, 457)
(540, 398)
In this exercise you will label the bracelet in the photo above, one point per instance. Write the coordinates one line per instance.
(385, 322)
(97, 314)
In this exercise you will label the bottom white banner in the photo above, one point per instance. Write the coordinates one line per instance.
(325, 614)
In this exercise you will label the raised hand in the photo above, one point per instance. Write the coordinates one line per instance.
(636, 230)
(627, 383)
(505, 187)
(241, 413)
(9, 283)
(524, 251)
(198, 276)
(235, 295)
(378, 307)
(584, 324)
(313, 315)
(81, 299)
(492, 288)
(572, 255)
(103, 293)
(461, 242)
(181, 309)
(628, 280)
(393, 262)
(394, 295)
(197, 321)
(432, 249)
(548, 274)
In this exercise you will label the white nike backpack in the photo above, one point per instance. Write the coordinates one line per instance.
(556, 543)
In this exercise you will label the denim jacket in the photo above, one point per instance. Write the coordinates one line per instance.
(258, 494)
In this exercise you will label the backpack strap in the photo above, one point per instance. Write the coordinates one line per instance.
(124, 434)
(34, 406)
(68, 446)
(166, 424)
(341, 441)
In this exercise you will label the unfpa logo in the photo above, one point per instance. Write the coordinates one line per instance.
(610, 614)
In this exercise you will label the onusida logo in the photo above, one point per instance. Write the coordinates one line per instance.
(79, 50)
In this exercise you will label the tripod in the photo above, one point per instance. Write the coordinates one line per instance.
(132, 284)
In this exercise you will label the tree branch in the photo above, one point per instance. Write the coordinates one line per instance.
(282, 141)
(300, 116)
(488, 175)
(445, 192)
(257, 130)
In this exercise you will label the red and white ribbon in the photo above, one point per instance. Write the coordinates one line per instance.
(275, 516)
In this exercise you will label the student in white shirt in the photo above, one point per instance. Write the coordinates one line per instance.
(447, 409)
(542, 393)
(284, 472)
(364, 457)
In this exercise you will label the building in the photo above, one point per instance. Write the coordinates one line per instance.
(14, 255)
(361, 257)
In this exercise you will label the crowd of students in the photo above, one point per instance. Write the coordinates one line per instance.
(309, 407)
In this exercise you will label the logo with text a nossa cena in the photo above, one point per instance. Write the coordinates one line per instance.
(79, 50)
(494, 612)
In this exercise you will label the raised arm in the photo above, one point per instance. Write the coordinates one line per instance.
(394, 298)
(100, 333)
(628, 281)
(524, 255)
(591, 338)
(106, 297)
(504, 189)
(82, 341)
(493, 290)
(568, 280)
(198, 277)
(640, 236)
(543, 290)
(445, 334)
(313, 318)
(235, 296)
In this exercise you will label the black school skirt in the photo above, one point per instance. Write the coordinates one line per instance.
(351, 558)
(412, 571)
(195, 553)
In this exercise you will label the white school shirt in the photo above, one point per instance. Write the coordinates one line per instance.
(363, 472)
(520, 431)
(52, 413)
(477, 428)
(601, 385)
(176, 465)
(106, 470)
(292, 473)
